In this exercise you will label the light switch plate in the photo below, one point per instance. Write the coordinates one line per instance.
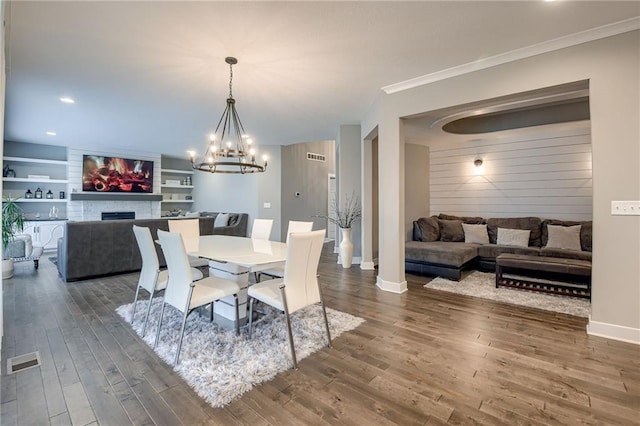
(626, 208)
(267, 205)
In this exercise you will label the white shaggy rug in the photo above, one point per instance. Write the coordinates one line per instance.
(483, 285)
(221, 366)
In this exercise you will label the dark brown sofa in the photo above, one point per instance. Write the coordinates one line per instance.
(438, 246)
(108, 247)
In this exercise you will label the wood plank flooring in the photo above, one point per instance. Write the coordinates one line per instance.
(422, 358)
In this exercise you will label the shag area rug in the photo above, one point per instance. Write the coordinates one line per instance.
(221, 366)
(483, 285)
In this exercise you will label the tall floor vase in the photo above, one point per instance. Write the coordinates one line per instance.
(346, 248)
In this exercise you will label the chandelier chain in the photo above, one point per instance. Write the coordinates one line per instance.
(230, 80)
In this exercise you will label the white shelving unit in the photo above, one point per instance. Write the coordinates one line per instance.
(17, 186)
(175, 191)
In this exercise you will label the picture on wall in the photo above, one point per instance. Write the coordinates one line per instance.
(112, 174)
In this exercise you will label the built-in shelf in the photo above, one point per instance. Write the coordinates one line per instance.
(177, 172)
(108, 196)
(177, 201)
(41, 200)
(168, 185)
(34, 161)
(32, 180)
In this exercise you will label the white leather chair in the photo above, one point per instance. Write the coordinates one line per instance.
(190, 231)
(299, 287)
(151, 278)
(261, 229)
(277, 271)
(185, 294)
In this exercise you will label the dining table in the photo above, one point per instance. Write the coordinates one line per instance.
(234, 258)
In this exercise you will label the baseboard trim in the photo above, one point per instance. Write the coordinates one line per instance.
(613, 331)
(391, 287)
(367, 266)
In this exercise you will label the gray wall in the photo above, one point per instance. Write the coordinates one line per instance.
(310, 179)
(416, 184)
(349, 181)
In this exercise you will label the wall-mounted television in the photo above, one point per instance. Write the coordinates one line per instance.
(113, 174)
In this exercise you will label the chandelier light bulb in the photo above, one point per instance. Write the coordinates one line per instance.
(249, 141)
(191, 153)
(252, 151)
(212, 137)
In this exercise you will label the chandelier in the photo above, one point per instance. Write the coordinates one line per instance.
(230, 149)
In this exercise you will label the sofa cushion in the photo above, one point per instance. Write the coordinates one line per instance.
(567, 254)
(441, 252)
(475, 233)
(222, 219)
(586, 231)
(492, 250)
(513, 237)
(426, 229)
(532, 224)
(451, 230)
(564, 237)
(474, 220)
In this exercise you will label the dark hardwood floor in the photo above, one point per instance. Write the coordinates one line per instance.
(423, 357)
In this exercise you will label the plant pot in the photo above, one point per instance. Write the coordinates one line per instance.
(7, 269)
(346, 248)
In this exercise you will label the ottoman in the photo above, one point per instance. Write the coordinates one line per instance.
(567, 277)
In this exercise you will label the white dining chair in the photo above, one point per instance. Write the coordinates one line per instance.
(190, 231)
(152, 279)
(298, 288)
(277, 271)
(185, 294)
(261, 229)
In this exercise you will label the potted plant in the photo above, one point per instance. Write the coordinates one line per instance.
(345, 217)
(12, 223)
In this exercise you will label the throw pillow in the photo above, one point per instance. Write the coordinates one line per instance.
(192, 214)
(426, 229)
(513, 237)
(451, 230)
(475, 233)
(222, 219)
(564, 237)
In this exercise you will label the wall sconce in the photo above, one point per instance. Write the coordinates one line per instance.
(478, 168)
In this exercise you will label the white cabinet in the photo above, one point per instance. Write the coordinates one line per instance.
(45, 233)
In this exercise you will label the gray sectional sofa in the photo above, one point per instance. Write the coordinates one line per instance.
(439, 248)
(108, 247)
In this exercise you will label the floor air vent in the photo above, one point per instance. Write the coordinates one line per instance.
(22, 362)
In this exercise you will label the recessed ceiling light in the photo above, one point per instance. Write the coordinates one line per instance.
(67, 100)
(49, 133)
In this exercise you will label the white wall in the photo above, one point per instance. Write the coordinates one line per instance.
(612, 66)
(545, 173)
(2, 90)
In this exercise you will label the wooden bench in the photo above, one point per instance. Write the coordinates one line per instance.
(567, 277)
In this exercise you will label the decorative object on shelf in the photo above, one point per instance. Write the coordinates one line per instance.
(12, 223)
(61, 195)
(188, 197)
(38, 193)
(172, 182)
(188, 180)
(53, 212)
(49, 195)
(28, 195)
(37, 176)
(345, 217)
(8, 172)
(231, 151)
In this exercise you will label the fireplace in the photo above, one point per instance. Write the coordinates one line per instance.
(118, 215)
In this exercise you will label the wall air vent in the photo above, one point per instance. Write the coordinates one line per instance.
(316, 157)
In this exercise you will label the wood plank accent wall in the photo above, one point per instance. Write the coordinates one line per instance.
(91, 210)
(546, 174)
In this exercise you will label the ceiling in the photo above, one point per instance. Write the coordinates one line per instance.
(151, 76)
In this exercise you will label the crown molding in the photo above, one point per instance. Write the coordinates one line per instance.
(586, 36)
